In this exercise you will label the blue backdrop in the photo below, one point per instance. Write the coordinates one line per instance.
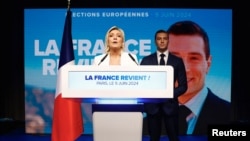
(43, 29)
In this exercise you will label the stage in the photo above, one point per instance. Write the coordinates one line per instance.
(14, 131)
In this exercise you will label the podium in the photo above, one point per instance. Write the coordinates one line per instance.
(119, 93)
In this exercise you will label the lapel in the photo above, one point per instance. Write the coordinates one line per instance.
(154, 59)
(170, 59)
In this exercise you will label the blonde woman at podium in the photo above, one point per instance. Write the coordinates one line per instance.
(113, 118)
(115, 53)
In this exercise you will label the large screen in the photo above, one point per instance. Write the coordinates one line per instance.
(43, 29)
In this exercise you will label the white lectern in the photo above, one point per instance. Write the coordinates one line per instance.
(117, 83)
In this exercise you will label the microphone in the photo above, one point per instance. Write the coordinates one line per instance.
(132, 58)
(103, 59)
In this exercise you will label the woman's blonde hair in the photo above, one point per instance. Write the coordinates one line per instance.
(107, 49)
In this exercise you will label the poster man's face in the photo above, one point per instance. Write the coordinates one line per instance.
(191, 50)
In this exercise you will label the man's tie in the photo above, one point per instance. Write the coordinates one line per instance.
(162, 61)
(183, 113)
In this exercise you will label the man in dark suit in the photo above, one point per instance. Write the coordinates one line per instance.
(189, 41)
(167, 109)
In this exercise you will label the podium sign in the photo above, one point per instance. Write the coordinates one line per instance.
(85, 81)
(117, 82)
